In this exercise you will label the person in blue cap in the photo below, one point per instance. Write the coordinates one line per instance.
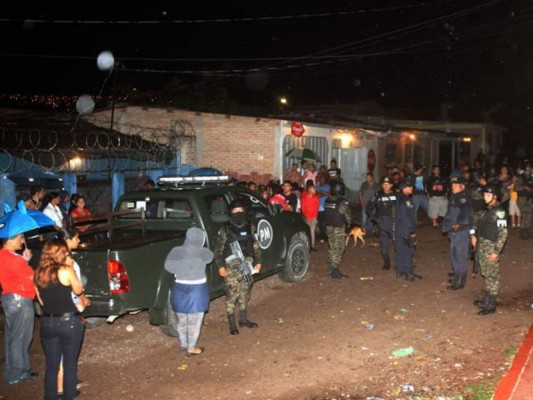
(405, 232)
(457, 224)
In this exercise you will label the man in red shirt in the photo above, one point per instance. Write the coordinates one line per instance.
(310, 205)
(18, 291)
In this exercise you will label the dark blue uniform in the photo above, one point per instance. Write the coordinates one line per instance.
(404, 231)
(457, 223)
(383, 207)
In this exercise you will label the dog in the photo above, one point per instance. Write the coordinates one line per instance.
(357, 233)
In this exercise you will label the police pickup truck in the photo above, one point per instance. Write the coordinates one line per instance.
(122, 261)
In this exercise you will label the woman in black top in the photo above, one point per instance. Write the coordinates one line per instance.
(61, 328)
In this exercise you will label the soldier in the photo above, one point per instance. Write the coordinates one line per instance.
(404, 232)
(238, 282)
(382, 208)
(337, 218)
(488, 238)
(456, 224)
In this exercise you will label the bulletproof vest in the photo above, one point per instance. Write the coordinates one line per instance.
(243, 234)
(385, 203)
(332, 215)
(493, 219)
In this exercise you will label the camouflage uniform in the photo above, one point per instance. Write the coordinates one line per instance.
(338, 217)
(492, 233)
(237, 289)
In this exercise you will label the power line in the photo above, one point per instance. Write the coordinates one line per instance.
(221, 20)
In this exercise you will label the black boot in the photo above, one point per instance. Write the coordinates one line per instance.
(412, 277)
(243, 320)
(483, 302)
(232, 327)
(490, 308)
(386, 262)
(459, 283)
(335, 274)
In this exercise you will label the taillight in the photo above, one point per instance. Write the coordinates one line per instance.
(118, 277)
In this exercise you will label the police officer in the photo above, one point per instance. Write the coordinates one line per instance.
(337, 218)
(238, 288)
(404, 231)
(382, 208)
(457, 224)
(488, 238)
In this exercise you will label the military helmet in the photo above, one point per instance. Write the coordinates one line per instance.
(337, 189)
(494, 189)
(236, 203)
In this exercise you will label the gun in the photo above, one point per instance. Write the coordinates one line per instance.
(475, 262)
(246, 266)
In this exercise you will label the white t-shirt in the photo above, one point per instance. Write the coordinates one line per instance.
(54, 213)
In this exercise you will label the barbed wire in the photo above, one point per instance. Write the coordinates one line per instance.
(134, 148)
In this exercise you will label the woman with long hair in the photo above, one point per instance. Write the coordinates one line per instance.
(78, 211)
(61, 327)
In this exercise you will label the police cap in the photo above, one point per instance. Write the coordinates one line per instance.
(458, 179)
(385, 179)
(405, 184)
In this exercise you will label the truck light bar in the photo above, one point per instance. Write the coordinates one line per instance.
(181, 180)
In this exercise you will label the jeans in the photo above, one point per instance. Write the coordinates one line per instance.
(19, 320)
(366, 223)
(420, 200)
(61, 337)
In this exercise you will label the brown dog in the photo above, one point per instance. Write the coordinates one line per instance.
(357, 233)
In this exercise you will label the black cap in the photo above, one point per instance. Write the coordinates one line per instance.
(385, 179)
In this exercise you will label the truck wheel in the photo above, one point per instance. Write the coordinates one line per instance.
(297, 261)
(93, 322)
(170, 328)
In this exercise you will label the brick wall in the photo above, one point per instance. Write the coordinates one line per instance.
(240, 146)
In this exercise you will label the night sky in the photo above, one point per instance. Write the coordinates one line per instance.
(475, 55)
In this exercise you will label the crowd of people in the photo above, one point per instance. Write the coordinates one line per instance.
(60, 206)
(56, 283)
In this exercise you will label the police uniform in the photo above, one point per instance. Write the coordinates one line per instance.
(491, 231)
(383, 208)
(337, 217)
(404, 233)
(237, 287)
(457, 224)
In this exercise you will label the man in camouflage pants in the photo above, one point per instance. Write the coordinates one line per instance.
(337, 218)
(488, 238)
(238, 284)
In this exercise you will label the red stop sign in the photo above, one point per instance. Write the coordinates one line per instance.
(371, 160)
(297, 129)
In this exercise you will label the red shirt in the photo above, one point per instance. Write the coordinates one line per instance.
(16, 276)
(279, 199)
(310, 205)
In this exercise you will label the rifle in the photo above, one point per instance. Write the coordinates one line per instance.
(475, 261)
(246, 266)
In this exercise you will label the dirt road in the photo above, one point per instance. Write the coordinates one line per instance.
(321, 338)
